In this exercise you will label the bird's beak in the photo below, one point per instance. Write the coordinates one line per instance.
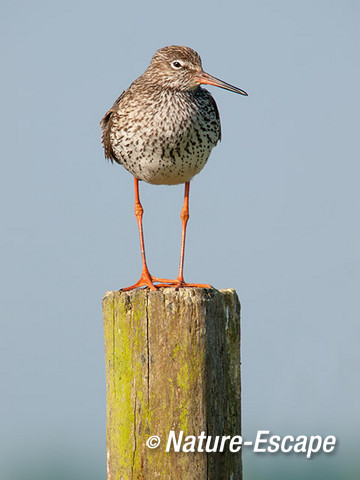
(206, 79)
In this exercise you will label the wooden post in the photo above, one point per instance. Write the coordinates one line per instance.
(172, 364)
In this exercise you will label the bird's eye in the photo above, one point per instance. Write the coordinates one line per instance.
(176, 64)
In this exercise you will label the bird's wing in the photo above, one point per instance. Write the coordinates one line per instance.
(106, 124)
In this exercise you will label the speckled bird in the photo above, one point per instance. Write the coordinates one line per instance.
(162, 130)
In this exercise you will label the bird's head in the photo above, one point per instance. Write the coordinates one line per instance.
(180, 68)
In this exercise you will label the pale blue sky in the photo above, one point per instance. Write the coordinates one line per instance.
(274, 215)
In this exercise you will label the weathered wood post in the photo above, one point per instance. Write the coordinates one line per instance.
(172, 364)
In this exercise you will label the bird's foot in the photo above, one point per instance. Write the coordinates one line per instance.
(147, 280)
(180, 283)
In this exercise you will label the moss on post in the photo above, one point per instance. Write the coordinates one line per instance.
(172, 363)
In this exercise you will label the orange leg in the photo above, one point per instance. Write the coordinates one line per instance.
(184, 215)
(179, 282)
(146, 280)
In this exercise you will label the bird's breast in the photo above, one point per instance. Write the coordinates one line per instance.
(168, 140)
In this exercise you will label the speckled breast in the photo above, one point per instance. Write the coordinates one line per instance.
(169, 139)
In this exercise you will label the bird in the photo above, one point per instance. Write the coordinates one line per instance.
(162, 130)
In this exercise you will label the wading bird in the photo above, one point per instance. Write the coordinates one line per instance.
(162, 130)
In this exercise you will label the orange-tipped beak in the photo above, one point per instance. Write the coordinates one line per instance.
(206, 79)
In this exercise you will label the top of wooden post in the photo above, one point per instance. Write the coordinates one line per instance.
(171, 292)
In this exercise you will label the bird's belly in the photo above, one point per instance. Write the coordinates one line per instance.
(166, 160)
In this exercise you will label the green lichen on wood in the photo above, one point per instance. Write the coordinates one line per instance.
(126, 347)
